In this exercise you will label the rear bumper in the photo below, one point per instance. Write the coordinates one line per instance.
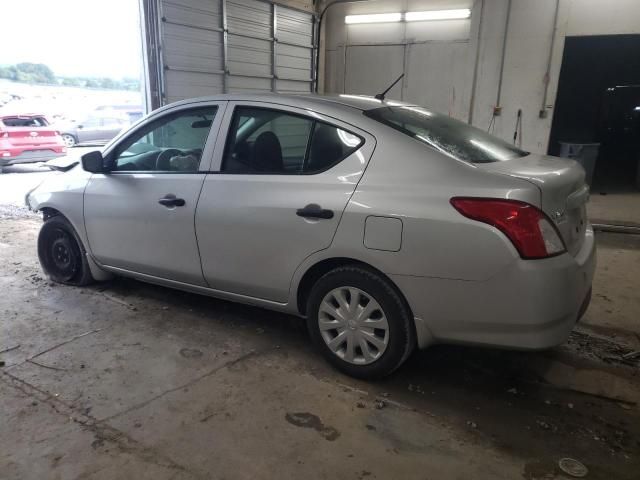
(532, 304)
(31, 156)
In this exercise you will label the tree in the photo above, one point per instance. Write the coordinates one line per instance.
(9, 72)
(39, 73)
(35, 72)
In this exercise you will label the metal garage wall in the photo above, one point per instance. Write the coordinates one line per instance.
(370, 69)
(438, 76)
(527, 38)
(215, 46)
(435, 56)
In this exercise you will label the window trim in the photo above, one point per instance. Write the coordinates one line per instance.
(314, 122)
(153, 123)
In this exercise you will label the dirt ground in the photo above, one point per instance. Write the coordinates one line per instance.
(128, 380)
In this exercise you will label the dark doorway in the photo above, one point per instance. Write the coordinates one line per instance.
(599, 101)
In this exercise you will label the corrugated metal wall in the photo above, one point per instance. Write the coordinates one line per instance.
(218, 46)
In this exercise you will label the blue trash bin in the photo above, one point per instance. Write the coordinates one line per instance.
(585, 154)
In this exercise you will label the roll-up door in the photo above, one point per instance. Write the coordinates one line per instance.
(294, 50)
(206, 47)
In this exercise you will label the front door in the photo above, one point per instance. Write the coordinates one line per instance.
(140, 216)
(89, 130)
(111, 126)
(284, 180)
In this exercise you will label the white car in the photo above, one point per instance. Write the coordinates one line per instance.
(386, 225)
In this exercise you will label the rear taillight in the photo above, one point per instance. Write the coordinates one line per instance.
(4, 134)
(528, 228)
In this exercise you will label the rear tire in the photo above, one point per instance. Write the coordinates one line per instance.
(69, 140)
(61, 253)
(360, 322)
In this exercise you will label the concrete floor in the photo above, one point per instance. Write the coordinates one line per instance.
(128, 380)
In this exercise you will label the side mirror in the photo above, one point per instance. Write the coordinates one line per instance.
(93, 162)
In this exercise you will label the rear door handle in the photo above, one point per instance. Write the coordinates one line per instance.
(170, 200)
(314, 211)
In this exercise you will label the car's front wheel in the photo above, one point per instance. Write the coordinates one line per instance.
(359, 322)
(61, 253)
(69, 140)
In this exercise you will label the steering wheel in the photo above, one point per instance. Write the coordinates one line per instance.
(162, 162)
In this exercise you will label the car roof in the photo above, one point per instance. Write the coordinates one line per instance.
(359, 102)
(22, 115)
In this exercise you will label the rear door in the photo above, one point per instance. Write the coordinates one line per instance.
(139, 217)
(283, 180)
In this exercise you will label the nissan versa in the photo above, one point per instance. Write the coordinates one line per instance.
(386, 225)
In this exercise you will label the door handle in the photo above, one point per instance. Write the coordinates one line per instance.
(170, 200)
(314, 211)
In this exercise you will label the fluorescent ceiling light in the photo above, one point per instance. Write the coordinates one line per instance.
(437, 15)
(374, 18)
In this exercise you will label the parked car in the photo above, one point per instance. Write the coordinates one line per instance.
(96, 128)
(133, 112)
(28, 138)
(386, 225)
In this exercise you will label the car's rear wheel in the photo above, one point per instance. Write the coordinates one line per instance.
(61, 253)
(360, 322)
(69, 140)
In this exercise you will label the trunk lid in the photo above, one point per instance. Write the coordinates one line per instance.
(564, 193)
(29, 136)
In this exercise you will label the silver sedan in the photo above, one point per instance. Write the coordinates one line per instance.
(386, 225)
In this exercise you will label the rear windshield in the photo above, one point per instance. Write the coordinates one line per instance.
(446, 134)
(24, 122)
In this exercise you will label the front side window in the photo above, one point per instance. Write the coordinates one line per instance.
(113, 122)
(270, 141)
(450, 136)
(173, 143)
(92, 122)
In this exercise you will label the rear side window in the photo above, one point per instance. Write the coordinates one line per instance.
(445, 134)
(270, 141)
(24, 122)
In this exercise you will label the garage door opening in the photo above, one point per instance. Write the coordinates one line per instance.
(599, 103)
(75, 64)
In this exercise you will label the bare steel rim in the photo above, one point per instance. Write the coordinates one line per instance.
(353, 325)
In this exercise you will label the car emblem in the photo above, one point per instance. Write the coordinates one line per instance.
(33, 134)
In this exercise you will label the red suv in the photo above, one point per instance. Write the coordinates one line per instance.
(28, 138)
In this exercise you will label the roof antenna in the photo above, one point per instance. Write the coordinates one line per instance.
(380, 96)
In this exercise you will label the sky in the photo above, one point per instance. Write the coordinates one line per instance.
(93, 38)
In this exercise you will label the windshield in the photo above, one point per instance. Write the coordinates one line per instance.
(24, 121)
(446, 134)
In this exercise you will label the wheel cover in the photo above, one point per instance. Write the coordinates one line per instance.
(64, 259)
(68, 140)
(353, 325)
